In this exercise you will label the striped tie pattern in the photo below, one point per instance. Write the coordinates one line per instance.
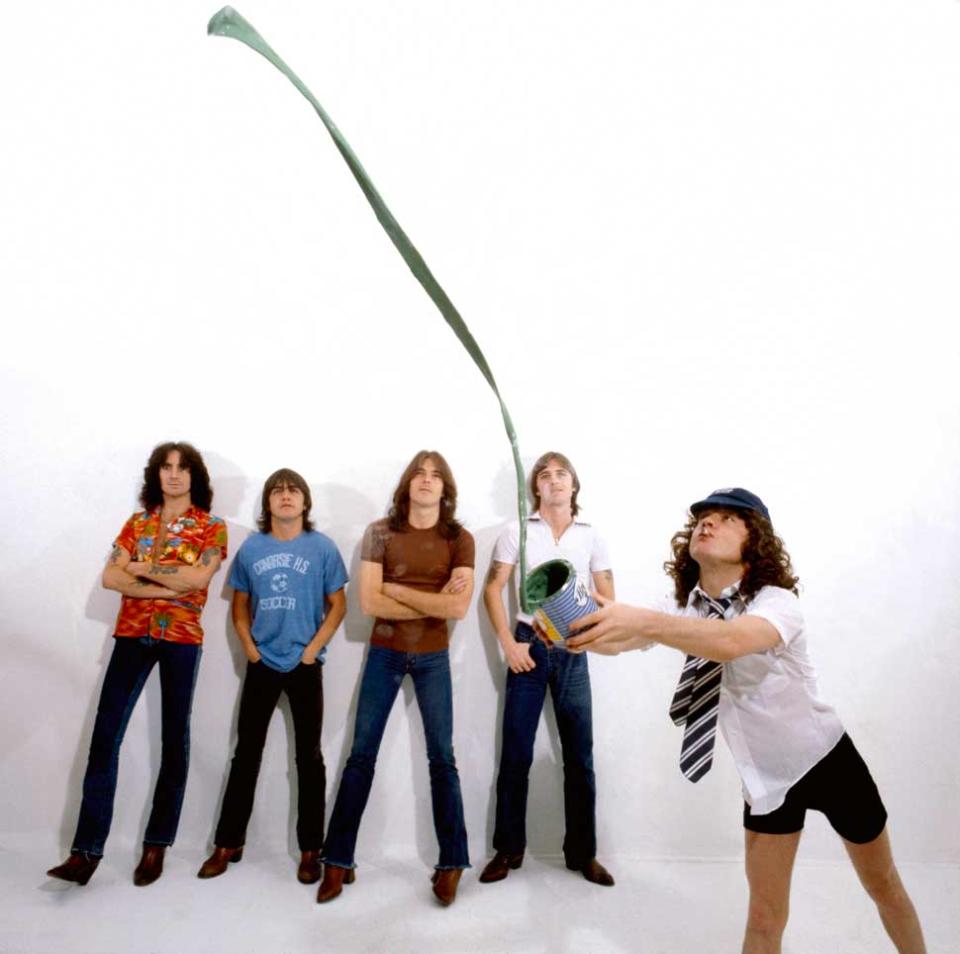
(696, 703)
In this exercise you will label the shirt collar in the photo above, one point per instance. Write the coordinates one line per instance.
(698, 595)
(190, 512)
(577, 520)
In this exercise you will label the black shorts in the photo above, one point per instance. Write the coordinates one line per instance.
(840, 786)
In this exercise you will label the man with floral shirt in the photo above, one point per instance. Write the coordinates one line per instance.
(162, 563)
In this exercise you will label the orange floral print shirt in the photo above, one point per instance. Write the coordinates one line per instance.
(187, 537)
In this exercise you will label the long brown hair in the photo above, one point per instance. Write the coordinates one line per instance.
(541, 465)
(764, 556)
(448, 526)
(201, 493)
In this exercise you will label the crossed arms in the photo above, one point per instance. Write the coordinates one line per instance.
(155, 580)
(396, 601)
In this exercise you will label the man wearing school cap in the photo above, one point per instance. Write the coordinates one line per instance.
(734, 612)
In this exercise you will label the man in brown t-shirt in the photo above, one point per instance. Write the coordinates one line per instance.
(416, 572)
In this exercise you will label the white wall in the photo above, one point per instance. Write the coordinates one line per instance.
(701, 244)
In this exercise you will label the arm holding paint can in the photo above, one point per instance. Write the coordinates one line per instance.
(602, 590)
(618, 627)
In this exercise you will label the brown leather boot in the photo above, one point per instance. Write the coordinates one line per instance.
(500, 865)
(594, 872)
(334, 878)
(217, 863)
(445, 883)
(311, 869)
(151, 865)
(78, 868)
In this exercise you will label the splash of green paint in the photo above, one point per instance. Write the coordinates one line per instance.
(227, 22)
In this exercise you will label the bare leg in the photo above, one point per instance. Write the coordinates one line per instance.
(769, 862)
(878, 874)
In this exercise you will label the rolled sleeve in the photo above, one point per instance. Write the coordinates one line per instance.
(599, 555)
(507, 549)
(215, 537)
(463, 550)
(374, 544)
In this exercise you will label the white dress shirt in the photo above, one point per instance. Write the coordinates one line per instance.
(774, 722)
(580, 544)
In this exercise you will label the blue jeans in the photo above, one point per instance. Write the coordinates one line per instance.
(382, 675)
(567, 677)
(127, 672)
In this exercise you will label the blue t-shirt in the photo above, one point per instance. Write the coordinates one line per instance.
(287, 581)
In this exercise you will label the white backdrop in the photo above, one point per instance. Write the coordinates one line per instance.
(701, 244)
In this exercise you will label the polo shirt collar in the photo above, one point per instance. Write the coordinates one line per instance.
(576, 520)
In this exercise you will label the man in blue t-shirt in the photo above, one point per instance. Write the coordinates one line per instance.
(288, 600)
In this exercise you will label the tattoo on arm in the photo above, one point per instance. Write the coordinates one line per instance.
(208, 555)
(496, 567)
(116, 553)
(161, 570)
(607, 575)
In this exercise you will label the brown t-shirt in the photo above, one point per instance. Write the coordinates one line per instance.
(422, 560)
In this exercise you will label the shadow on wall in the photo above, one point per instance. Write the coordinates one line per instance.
(336, 512)
(545, 809)
(102, 606)
(342, 513)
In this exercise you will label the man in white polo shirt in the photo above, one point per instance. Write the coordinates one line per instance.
(735, 613)
(554, 531)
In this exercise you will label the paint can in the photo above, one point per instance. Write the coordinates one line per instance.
(559, 597)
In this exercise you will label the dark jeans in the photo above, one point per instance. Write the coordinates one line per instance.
(127, 672)
(568, 679)
(261, 692)
(382, 675)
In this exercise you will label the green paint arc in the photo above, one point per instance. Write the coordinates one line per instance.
(229, 23)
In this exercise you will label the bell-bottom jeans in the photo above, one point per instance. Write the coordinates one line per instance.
(567, 677)
(382, 675)
(129, 667)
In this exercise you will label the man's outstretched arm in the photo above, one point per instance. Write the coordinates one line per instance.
(618, 627)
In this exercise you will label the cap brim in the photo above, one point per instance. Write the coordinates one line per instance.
(731, 503)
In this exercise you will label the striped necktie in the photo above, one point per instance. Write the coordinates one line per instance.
(696, 703)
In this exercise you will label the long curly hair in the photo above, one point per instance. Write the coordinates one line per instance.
(201, 493)
(448, 526)
(764, 556)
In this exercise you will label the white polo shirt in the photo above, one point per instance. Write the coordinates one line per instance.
(774, 722)
(580, 544)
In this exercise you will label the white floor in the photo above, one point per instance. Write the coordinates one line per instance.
(656, 907)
